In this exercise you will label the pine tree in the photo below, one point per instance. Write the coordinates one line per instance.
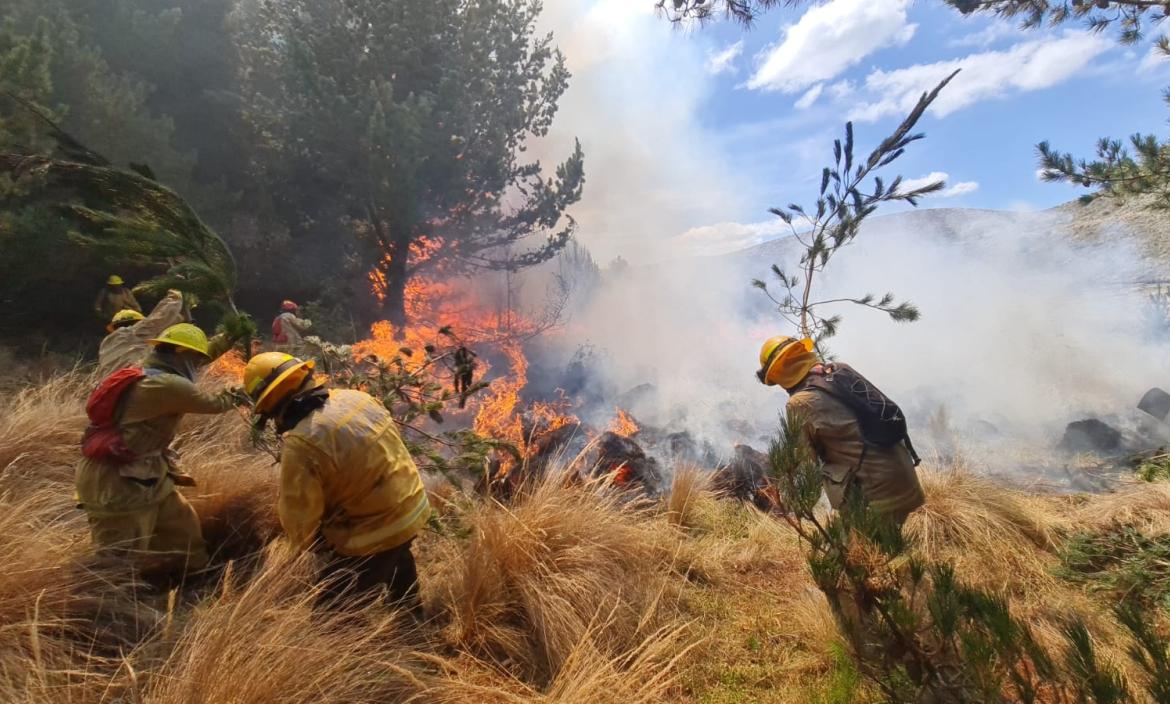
(843, 204)
(743, 11)
(415, 118)
(1132, 17)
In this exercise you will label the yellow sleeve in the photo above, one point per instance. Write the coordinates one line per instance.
(302, 499)
(168, 394)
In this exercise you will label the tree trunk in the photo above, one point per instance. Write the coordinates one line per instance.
(397, 274)
(394, 305)
(396, 244)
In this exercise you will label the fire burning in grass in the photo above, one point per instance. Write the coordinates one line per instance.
(623, 424)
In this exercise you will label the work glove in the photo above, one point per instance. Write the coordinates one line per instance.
(238, 396)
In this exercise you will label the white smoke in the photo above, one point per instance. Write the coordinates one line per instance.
(1022, 330)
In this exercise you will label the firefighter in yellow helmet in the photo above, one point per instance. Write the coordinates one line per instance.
(130, 332)
(126, 479)
(346, 478)
(884, 475)
(114, 297)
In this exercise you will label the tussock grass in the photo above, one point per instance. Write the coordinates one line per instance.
(999, 536)
(536, 575)
(568, 593)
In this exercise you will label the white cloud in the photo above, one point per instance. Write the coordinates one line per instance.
(726, 237)
(959, 189)
(842, 89)
(810, 97)
(828, 39)
(1153, 59)
(991, 34)
(1025, 67)
(724, 61)
(911, 184)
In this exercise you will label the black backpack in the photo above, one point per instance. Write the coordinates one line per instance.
(880, 420)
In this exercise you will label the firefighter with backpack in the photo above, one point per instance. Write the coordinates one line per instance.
(126, 479)
(857, 432)
(288, 329)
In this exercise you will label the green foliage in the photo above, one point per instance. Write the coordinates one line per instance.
(1132, 17)
(918, 633)
(1116, 172)
(1122, 561)
(128, 218)
(1155, 469)
(415, 118)
(743, 11)
(843, 681)
(843, 203)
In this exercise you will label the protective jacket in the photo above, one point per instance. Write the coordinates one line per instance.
(128, 346)
(346, 474)
(110, 301)
(148, 420)
(292, 330)
(886, 478)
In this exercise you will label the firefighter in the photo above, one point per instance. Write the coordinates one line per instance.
(884, 475)
(126, 479)
(288, 329)
(130, 333)
(114, 297)
(346, 478)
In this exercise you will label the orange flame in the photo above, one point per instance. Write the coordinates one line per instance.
(229, 367)
(497, 415)
(623, 424)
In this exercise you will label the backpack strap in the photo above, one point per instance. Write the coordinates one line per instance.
(910, 448)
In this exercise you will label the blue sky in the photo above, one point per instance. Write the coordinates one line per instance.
(690, 135)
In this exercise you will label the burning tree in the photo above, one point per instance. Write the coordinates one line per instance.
(842, 205)
(414, 119)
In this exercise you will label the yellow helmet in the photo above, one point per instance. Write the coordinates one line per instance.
(784, 361)
(270, 377)
(184, 335)
(114, 280)
(122, 318)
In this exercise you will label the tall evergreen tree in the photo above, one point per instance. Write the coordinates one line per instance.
(415, 118)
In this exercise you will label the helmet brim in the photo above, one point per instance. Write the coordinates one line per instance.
(269, 397)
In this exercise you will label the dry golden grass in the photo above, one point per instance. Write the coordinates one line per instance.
(566, 594)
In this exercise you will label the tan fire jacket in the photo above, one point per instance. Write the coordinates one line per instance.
(128, 346)
(345, 472)
(292, 329)
(150, 418)
(110, 302)
(887, 478)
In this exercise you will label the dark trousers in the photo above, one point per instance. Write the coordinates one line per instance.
(358, 577)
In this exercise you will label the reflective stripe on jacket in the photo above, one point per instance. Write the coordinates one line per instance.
(346, 473)
(887, 478)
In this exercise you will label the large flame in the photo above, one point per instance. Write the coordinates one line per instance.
(497, 416)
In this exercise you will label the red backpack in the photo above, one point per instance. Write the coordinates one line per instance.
(103, 440)
(278, 331)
